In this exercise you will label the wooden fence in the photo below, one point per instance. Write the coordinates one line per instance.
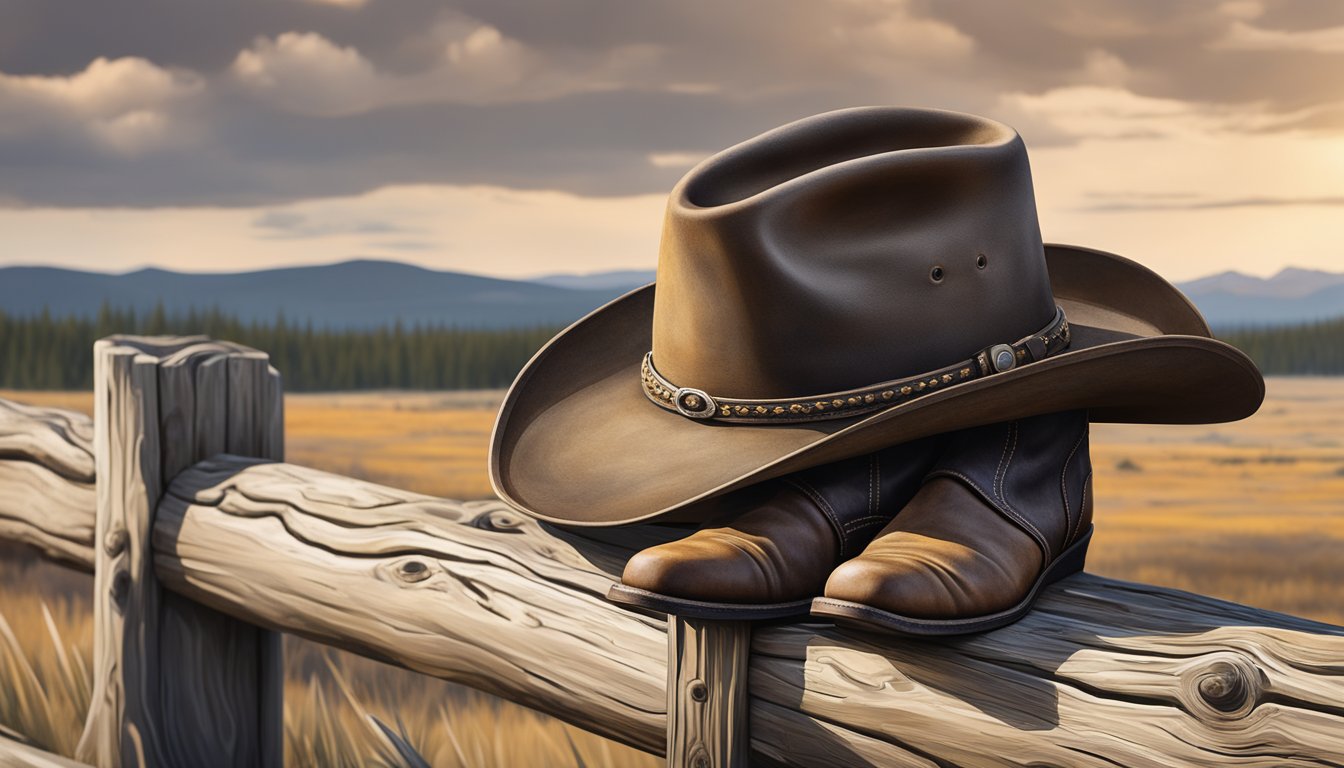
(204, 546)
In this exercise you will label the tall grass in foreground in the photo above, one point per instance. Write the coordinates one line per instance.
(341, 710)
(360, 722)
(45, 651)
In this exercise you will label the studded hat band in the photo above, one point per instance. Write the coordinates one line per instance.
(698, 404)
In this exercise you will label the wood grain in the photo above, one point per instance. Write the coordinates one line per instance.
(175, 683)
(1102, 673)
(222, 670)
(707, 693)
(468, 592)
(122, 725)
(47, 477)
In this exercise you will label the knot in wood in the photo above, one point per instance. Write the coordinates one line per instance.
(501, 520)
(413, 571)
(698, 691)
(1224, 686)
(115, 541)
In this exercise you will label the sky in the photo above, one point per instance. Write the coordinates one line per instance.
(524, 138)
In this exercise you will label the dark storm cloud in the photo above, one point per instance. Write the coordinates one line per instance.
(594, 144)
(603, 84)
(44, 37)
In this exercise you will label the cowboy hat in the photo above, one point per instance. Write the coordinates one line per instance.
(849, 281)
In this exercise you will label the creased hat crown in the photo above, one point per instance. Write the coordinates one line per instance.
(846, 249)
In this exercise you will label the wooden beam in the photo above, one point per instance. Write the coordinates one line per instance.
(1101, 673)
(123, 726)
(175, 683)
(47, 478)
(469, 592)
(707, 693)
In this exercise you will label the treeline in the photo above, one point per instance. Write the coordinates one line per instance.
(1312, 348)
(44, 352)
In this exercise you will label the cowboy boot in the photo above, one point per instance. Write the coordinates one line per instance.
(1006, 510)
(771, 559)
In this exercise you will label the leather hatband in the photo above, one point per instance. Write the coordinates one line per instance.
(697, 404)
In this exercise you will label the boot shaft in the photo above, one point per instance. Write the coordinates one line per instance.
(1036, 472)
(862, 494)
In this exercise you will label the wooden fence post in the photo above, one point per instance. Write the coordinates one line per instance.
(707, 693)
(174, 683)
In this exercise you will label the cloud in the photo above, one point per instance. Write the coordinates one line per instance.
(1242, 9)
(470, 63)
(123, 105)
(1101, 67)
(1245, 37)
(675, 159)
(289, 224)
(405, 245)
(349, 4)
(1194, 202)
(307, 73)
(1097, 112)
(257, 103)
(894, 32)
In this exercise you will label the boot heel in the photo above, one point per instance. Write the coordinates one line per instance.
(1071, 561)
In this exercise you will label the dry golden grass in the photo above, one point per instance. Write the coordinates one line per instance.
(46, 644)
(71, 401)
(434, 443)
(431, 442)
(329, 722)
(1251, 512)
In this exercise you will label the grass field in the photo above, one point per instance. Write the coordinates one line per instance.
(1251, 512)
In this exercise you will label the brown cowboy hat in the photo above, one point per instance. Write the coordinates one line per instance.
(846, 282)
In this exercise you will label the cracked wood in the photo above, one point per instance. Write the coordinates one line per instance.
(1102, 673)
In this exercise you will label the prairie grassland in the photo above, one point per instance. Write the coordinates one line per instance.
(1251, 512)
(431, 442)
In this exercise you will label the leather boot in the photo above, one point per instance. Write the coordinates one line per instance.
(772, 558)
(1006, 510)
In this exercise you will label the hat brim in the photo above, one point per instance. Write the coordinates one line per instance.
(578, 443)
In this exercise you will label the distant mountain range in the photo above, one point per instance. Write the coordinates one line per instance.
(352, 294)
(1293, 295)
(359, 294)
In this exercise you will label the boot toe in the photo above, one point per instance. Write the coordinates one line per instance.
(699, 568)
(927, 579)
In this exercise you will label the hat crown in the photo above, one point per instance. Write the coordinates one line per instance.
(846, 249)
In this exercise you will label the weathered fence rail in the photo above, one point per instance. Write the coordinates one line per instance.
(46, 481)
(1101, 673)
